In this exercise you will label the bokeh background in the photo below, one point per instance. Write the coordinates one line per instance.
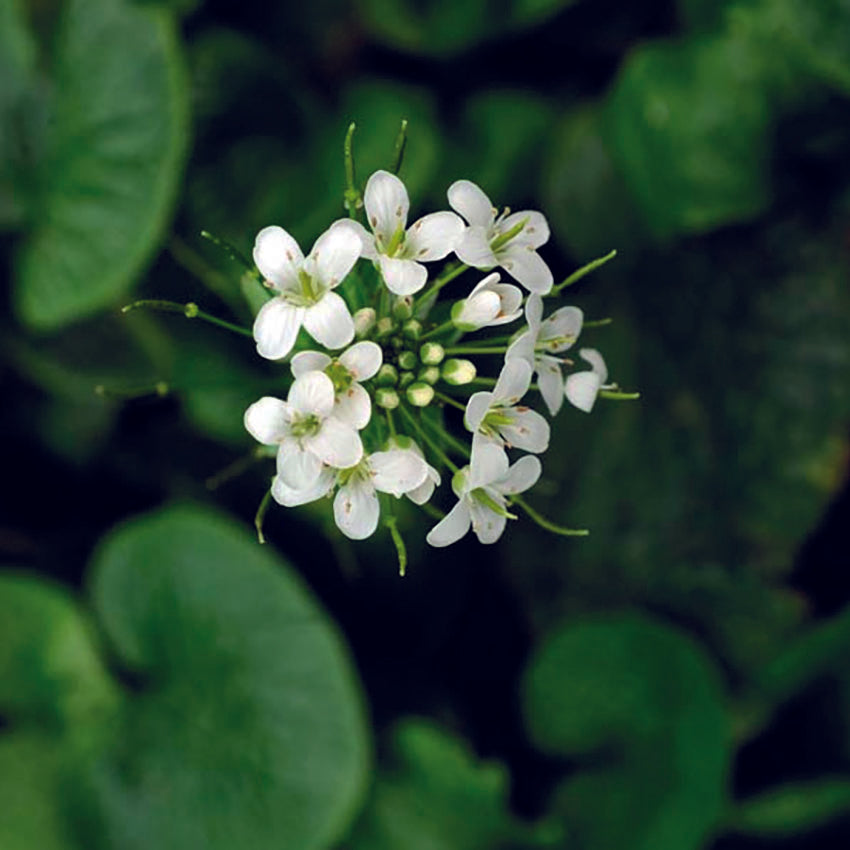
(677, 680)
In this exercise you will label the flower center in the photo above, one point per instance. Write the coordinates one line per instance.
(395, 244)
(503, 238)
(340, 377)
(483, 497)
(310, 292)
(496, 418)
(305, 426)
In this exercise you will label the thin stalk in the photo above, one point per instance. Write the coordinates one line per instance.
(456, 444)
(616, 395)
(546, 523)
(190, 310)
(449, 400)
(597, 323)
(438, 330)
(472, 349)
(198, 267)
(401, 550)
(439, 283)
(427, 440)
(584, 270)
(398, 153)
(390, 422)
(351, 196)
(260, 516)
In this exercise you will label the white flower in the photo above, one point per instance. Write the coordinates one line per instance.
(555, 335)
(490, 241)
(581, 388)
(496, 421)
(398, 251)
(306, 431)
(358, 363)
(303, 290)
(356, 508)
(490, 303)
(421, 494)
(481, 500)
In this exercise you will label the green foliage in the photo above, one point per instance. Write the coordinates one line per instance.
(106, 181)
(642, 708)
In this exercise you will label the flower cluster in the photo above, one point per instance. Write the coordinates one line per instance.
(381, 363)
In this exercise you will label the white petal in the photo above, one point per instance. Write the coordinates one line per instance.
(528, 430)
(478, 311)
(329, 321)
(476, 409)
(527, 266)
(510, 307)
(334, 255)
(473, 248)
(535, 232)
(561, 329)
(267, 420)
(534, 311)
(485, 283)
(451, 527)
(402, 277)
(513, 381)
(522, 346)
(363, 360)
(421, 494)
(471, 202)
(433, 236)
(581, 389)
(353, 406)
(278, 257)
(487, 524)
(521, 476)
(397, 471)
(387, 204)
(309, 361)
(296, 466)
(592, 356)
(276, 327)
(367, 240)
(337, 444)
(551, 383)
(356, 509)
(291, 497)
(312, 393)
(489, 461)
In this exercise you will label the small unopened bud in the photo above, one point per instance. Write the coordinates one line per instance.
(420, 394)
(191, 310)
(412, 329)
(432, 353)
(364, 321)
(408, 360)
(387, 375)
(405, 379)
(457, 371)
(403, 308)
(384, 327)
(430, 374)
(387, 398)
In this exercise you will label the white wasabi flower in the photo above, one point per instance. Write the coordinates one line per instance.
(421, 494)
(358, 363)
(541, 340)
(510, 241)
(306, 431)
(356, 507)
(481, 500)
(496, 421)
(400, 250)
(582, 388)
(490, 303)
(291, 497)
(303, 288)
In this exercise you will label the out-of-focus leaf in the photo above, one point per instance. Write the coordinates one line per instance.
(703, 15)
(435, 795)
(688, 125)
(642, 707)
(248, 729)
(792, 808)
(535, 11)
(118, 131)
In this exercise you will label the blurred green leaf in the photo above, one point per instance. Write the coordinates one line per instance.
(118, 132)
(792, 808)
(703, 16)
(641, 707)
(535, 11)
(688, 125)
(434, 795)
(248, 728)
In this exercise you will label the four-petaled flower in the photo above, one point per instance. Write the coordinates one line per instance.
(303, 290)
(481, 499)
(510, 240)
(400, 250)
(306, 431)
(581, 388)
(541, 340)
(490, 303)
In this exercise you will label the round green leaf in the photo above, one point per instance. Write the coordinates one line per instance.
(646, 705)
(247, 729)
(112, 159)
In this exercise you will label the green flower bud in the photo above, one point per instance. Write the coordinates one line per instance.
(387, 398)
(387, 375)
(430, 374)
(405, 379)
(457, 371)
(364, 321)
(420, 394)
(384, 327)
(432, 353)
(403, 308)
(408, 360)
(412, 328)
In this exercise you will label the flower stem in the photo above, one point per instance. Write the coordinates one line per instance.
(584, 270)
(351, 197)
(449, 400)
(438, 330)
(456, 444)
(160, 388)
(260, 516)
(616, 395)
(598, 323)
(390, 422)
(401, 550)
(472, 349)
(211, 278)
(427, 440)
(439, 283)
(189, 310)
(233, 253)
(548, 524)
(398, 153)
